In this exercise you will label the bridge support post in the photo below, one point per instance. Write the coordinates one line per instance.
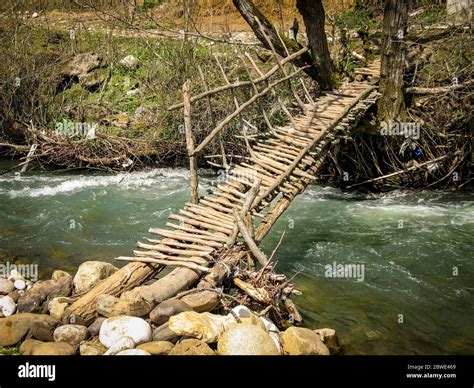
(190, 143)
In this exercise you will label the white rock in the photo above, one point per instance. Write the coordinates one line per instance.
(7, 306)
(34, 15)
(71, 334)
(90, 273)
(6, 286)
(20, 284)
(122, 344)
(114, 328)
(129, 62)
(242, 311)
(133, 352)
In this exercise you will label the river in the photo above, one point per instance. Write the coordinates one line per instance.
(414, 250)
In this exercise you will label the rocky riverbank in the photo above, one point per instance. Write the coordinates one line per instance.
(32, 324)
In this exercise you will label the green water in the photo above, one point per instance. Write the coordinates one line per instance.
(409, 245)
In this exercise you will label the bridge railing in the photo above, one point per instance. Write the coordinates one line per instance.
(269, 83)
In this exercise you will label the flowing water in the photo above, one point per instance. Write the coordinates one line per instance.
(415, 285)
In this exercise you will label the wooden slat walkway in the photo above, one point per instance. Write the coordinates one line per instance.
(282, 160)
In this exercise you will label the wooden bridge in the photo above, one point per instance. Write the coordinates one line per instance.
(202, 239)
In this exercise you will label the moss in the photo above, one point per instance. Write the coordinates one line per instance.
(10, 350)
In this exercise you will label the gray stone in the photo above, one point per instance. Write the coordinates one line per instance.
(94, 327)
(162, 313)
(163, 333)
(36, 299)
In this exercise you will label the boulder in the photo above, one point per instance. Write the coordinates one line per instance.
(133, 352)
(330, 339)
(34, 299)
(90, 273)
(191, 347)
(242, 339)
(130, 62)
(92, 348)
(81, 64)
(114, 328)
(53, 349)
(16, 327)
(59, 274)
(163, 333)
(27, 346)
(93, 80)
(121, 344)
(94, 327)
(301, 341)
(6, 286)
(157, 348)
(201, 301)
(71, 334)
(162, 313)
(56, 307)
(204, 326)
(7, 306)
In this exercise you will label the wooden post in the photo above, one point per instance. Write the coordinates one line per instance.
(190, 143)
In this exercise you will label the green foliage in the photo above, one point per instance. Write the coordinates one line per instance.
(358, 18)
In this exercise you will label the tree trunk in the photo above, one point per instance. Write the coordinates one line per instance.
(392, 71)
(314, 19)
(249, 12)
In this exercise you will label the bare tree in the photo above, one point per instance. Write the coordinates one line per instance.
(320, 61)
(392, 105)
(314, 19)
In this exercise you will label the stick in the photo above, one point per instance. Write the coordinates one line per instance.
(239, 84)
(245, 105)
(164, 262)
(190, 143)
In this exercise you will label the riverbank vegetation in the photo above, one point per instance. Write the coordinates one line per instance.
(126, 104)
